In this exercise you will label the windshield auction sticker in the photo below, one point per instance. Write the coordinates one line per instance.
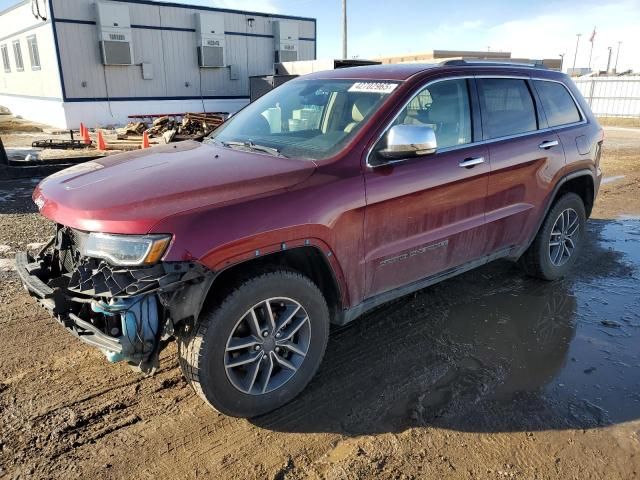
(373, 87)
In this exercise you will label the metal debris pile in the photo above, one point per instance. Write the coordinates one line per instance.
(190, 126)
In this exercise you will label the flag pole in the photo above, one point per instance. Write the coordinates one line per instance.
(593, 36)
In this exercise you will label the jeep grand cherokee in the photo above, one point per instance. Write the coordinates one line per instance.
(328, 196)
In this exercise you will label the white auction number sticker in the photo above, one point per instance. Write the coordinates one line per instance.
(373, 87)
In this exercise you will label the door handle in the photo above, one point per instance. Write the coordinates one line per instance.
(471, 162)
(548, 144)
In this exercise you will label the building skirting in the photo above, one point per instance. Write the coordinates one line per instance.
(49, 111)
(100, 113)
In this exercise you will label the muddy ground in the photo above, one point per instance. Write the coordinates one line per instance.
(488, 375)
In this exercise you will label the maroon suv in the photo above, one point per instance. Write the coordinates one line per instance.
(330, 195)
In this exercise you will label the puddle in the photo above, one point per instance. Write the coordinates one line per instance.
(612, 179)
(22, 153)
(603, 367)
(490, 350)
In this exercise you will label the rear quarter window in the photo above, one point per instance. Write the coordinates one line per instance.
(559, 107)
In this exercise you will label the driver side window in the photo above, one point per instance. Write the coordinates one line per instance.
(443, 106)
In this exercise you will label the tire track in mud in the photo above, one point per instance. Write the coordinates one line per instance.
(224, 437)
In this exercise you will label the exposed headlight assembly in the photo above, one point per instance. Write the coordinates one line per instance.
(125, 249)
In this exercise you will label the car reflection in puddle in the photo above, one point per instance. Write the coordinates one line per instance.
(490, 350)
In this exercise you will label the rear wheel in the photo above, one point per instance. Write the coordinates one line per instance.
(559, 241)
(260, 347)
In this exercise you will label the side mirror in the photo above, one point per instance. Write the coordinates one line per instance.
(404, 141)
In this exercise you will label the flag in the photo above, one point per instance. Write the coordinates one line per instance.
(593, 35)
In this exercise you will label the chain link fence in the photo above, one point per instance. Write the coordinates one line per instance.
(612, 96)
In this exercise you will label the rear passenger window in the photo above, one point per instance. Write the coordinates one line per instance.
(557, 103)
(507, 107)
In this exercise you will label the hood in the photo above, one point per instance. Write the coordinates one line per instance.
(131, 192)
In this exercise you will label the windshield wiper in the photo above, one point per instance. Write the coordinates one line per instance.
(254, 146)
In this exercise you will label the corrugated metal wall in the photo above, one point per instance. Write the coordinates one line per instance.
(164, 35)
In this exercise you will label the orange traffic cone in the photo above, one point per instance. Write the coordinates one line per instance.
(81, 130)
(85, 135)
(145, 140)
(102, 145)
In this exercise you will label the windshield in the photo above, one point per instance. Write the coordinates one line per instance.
(307, 119)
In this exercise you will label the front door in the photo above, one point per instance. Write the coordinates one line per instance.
(426, 214)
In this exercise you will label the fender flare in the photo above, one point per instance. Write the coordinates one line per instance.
(549, 202)
(218, 262)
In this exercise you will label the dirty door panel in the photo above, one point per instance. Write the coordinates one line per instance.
(522, 176)
(423, 216)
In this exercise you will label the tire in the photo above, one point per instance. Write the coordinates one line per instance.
(218, 342)
(541, 259)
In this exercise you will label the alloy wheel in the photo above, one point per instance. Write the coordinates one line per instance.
(564, 236)
(267, 346)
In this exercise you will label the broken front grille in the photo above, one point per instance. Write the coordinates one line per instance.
(96, 277)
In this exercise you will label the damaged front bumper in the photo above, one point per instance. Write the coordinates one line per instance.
(49, 298)
(129, 313)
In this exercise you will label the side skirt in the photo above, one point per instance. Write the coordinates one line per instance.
(346, 316)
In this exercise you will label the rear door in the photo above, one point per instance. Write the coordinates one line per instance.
(425, 215)
(524, 154)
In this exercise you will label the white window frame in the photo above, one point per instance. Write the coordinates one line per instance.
(34, 53)
(6, 62)
(17, 55)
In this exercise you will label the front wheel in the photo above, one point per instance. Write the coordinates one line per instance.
(559, 241)
(260, 347)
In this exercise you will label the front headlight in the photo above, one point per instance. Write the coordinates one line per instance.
(126, 249)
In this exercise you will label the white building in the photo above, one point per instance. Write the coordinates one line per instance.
(99, 61)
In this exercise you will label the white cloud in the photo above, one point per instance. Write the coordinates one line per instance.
(551, 35)
(543, 36)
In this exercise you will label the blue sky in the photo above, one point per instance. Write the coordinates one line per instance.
(533, 29)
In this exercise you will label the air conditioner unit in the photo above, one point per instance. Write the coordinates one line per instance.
(286, 41)
(114, 30)
(210, 35)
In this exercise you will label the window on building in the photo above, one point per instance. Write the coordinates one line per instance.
(557, 103)
(5, 58)
(444, 106)
(17, 55)
(34, 56)
(507, 107)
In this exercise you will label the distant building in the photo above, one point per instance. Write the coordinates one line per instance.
(439, 55)
(579, 71)
(432, 56)
(98, 61)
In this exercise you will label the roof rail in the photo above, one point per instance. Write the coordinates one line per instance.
(492, 63)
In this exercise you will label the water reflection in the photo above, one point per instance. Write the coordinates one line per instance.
(490, 350)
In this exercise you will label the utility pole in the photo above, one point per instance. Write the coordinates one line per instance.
(575, 56)
(344, 29)
(617, 56)
(561, 61)
(609, 59)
